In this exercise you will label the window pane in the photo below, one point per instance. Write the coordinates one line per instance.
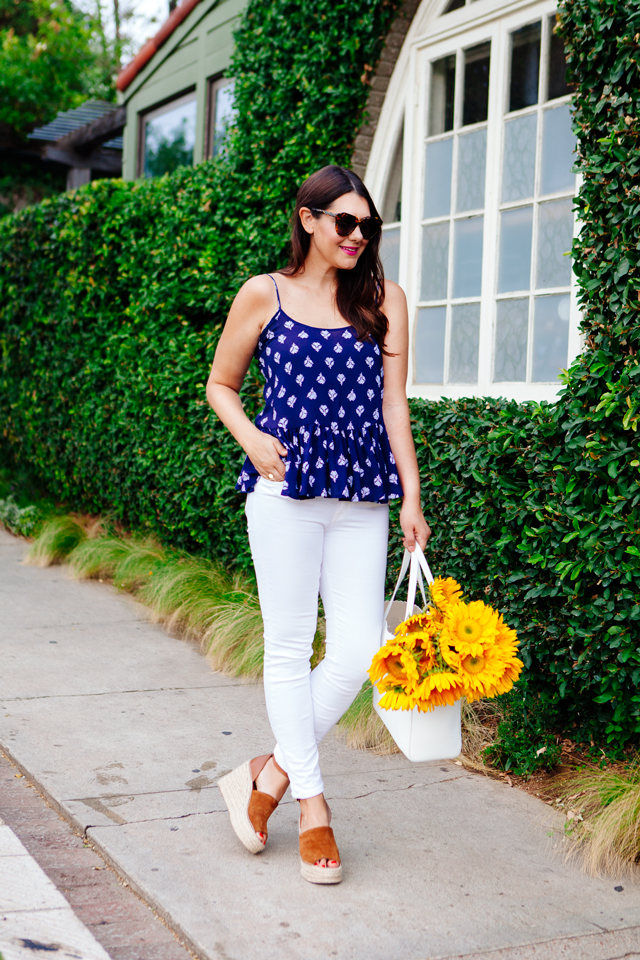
(225, 112)
(169, 140)
(465, 337)
(454, 5)
(558, 144)
(429, 343)
(519, 161)
(390, 253)
(435, 261)
(558, 86)
(467, 257)
(472, 151)
(443, 83)
(555, 236)
(476, 84)
(392, 206)
(514, 270)
(512, 323)
(437, 178)
(550, 337)
(525, 66)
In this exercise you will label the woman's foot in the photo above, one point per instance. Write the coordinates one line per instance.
(273, 781)
(250, 806)
(315, 812)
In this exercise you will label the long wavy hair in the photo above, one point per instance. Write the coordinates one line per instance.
(360, 292)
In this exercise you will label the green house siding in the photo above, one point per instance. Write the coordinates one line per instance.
(199, 49)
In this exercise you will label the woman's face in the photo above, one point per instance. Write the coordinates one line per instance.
(340, 252)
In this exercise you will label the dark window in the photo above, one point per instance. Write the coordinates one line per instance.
(476, 84)
(168, 137)
(454, 5)
(558, 86)
(525, 67)
(443, 83)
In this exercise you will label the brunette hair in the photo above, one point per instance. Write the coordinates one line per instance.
(360, 293)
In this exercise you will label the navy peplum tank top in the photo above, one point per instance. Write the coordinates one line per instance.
(323, 401)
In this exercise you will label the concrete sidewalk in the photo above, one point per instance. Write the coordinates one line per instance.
(127, 730)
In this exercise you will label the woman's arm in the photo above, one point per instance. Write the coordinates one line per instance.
(249, 313)
(395, 411)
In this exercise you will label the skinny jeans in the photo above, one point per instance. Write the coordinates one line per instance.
(301, 548)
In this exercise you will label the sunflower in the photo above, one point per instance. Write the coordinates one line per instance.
(445, 590)
(397, 699)
(428, 656)
(481, 673)
(512, 671)
(439, 690)
(393, 664)
(418, 622)
(506, 638)
(470, 627)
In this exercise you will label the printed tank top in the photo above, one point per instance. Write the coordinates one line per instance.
(323, 401)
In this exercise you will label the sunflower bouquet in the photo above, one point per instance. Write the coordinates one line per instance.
(455, 649)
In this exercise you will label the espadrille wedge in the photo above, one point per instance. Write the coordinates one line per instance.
(248, 807)
(319, 844)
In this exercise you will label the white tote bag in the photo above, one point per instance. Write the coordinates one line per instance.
(421, 736)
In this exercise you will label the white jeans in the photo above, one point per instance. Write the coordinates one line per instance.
(300, 548)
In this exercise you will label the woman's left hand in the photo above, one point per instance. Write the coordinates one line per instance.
(414, 527)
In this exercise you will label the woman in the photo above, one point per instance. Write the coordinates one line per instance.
(324, 458)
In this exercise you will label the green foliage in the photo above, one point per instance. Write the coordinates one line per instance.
(46, 60)
(523, 743)
(112, 299)
(23, 521)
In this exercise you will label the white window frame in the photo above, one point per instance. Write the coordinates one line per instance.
(432, 37)
(214, 84)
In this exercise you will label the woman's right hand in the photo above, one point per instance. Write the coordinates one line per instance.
(266, 453)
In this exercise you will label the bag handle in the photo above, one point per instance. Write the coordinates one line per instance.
(415, 560)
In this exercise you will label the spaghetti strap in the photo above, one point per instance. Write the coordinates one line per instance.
(277, 291)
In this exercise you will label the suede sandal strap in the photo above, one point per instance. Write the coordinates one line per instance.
(318, 844)
(258, 764)
(261, 806)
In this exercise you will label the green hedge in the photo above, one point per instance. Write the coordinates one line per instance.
(111, 301)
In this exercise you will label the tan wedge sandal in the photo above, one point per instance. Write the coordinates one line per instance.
(248, 807)
(319, 844)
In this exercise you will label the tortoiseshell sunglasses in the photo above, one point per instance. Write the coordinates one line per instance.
(346, 223)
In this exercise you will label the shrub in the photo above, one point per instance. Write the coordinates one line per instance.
(523, 743)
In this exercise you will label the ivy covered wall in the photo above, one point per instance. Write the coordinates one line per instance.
(111, 302)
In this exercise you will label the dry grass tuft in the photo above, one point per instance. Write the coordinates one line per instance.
(479, 722)
(363, 729)
(603, 819)
(57, 539)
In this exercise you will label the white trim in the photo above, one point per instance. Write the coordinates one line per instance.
(430, 37)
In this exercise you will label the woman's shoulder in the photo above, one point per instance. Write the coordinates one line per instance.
(393, 292)
(258, 293)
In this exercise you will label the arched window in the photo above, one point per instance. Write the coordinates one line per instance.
(487, 212)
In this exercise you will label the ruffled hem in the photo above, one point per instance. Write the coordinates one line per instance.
(340, 464)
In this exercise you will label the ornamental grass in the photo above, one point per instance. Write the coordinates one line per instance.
(453, 650)
(57, 539)
(603, 819)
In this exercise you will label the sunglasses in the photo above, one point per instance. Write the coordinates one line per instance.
(346, 223)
